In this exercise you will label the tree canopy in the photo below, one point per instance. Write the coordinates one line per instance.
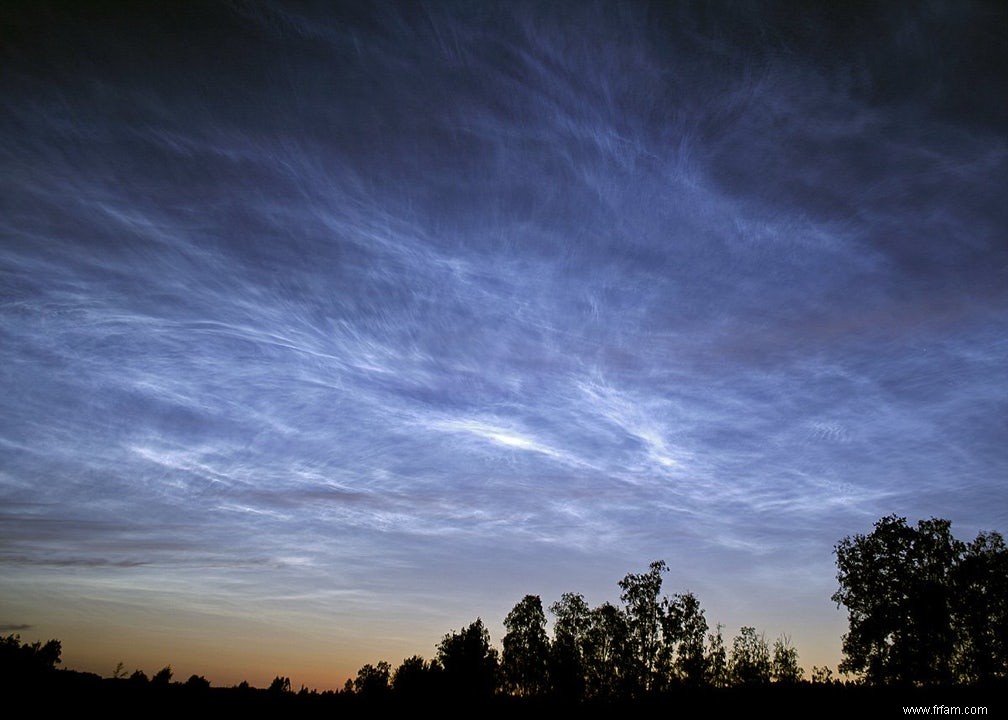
(18, 659)
(470, 663)
(526, 648)
(923, 607)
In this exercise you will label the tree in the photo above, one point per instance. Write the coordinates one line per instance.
(644, 613)
(470, 663)
(897, 584)
(822, 675)
(567, 665)
(373, 680)
(608, 653)
(981, 620)
(197, 682)
(280, 685)
(784, 667)
(415, 676)
(750, 658)
(716, 659)
(162, 676)
(685, 625)
(526, 648)
(17, 658)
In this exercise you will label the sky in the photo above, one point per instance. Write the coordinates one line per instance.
(326, 328)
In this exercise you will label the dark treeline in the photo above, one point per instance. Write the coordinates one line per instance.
(649, 645)
(927, 613)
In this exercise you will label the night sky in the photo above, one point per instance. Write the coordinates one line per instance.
(325, 329)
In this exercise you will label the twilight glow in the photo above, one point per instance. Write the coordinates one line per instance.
(324, 330)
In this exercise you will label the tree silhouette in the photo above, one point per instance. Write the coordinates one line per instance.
(608, 649)
(981, 620)
(750, 658)
(197, 682)
(415, 677)
(525, 659)
(567, 661)
(470, 663)
(280, 685)
(372, 681)
(716, 660)
(822, 675)
(898, 586)
(784, 664)
(19, 659)
(162, 676)
(685, 625)
(644, 619)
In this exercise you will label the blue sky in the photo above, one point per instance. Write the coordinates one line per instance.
(324, 330)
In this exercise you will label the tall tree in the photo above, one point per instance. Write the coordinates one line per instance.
(981, 620)
(608, 652)
(897, 585)
(644, 613)
(686, 626)
(526, 648)
(567, 664)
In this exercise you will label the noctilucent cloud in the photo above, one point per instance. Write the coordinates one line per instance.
(326, 329)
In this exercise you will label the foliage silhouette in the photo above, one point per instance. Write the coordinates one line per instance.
(749, 663)
(197, 682)
(373, 680)
(162, 676)
(609, 671)
(923, 607)
(470, 663)
(684, 625)
(784, 663)
(280, 684)
(821, 675)
(981, 620)
(644, 620)
(525, 660)
(567, 659)
(716, 660)
(20, 660)
(416, 678)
